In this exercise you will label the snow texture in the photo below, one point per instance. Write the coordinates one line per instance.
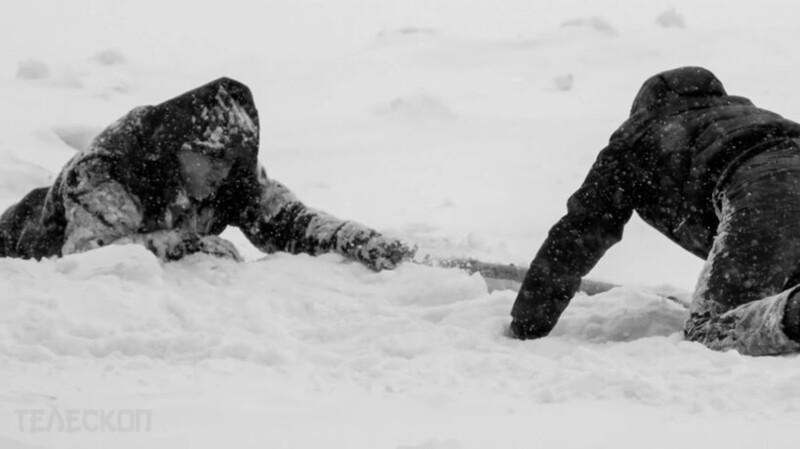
(595, 23)
(32, 69)
(298, 351)
(671, 19)
(109, 57)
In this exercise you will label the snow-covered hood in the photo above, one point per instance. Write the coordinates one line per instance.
(218, 119)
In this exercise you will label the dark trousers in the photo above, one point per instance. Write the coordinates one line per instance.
(751, 270)
(22, 232)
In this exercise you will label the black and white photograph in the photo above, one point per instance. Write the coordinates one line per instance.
(399, 224)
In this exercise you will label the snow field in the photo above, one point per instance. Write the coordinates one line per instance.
(409, 330)
(460, 125)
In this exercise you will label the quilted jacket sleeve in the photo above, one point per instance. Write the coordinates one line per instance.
(279, 221)
(596, 215)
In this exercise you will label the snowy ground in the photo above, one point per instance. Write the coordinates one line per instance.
(462, 125)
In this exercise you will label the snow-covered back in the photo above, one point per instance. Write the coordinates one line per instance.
(460, 125)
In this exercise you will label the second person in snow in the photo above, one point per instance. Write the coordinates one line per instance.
(715, 174)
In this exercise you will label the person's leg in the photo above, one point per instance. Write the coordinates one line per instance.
(21, 230)
(741, 296)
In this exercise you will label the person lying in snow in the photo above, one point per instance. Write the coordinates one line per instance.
(172, 177)
(718, 176)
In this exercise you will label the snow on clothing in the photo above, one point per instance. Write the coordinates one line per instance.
(716, 175)
(127, 188)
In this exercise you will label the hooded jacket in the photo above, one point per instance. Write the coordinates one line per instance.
(126, 188)
(684, 136)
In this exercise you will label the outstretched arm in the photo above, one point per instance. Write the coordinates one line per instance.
(596, 215)
(279, 221)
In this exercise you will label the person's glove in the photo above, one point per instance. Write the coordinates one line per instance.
(540, 302)
(382, 253)
(372, 249)
(217, 246)
(526, 330)
(213, 245)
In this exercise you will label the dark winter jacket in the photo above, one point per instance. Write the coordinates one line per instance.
(684, 136)
(126, 188)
